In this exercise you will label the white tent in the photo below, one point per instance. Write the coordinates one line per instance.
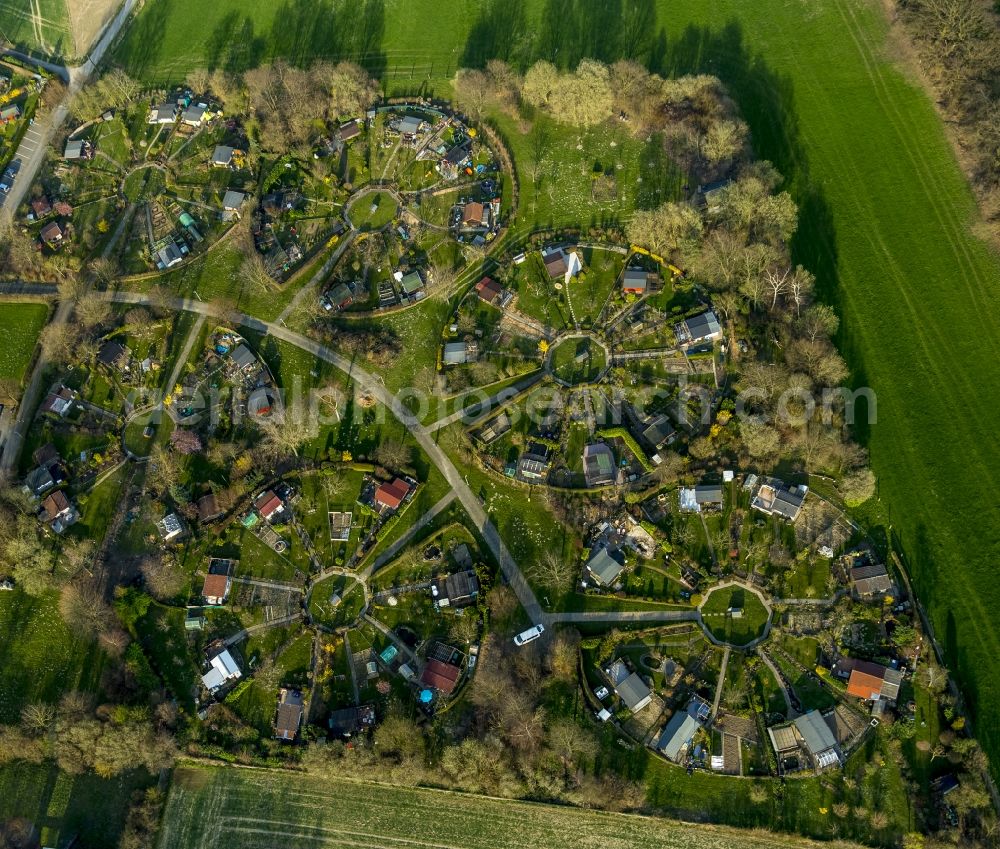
(573, 267)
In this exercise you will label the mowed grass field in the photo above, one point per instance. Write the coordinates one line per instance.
(886, 224)
(38, 25)
(20, 325)
(243, 809)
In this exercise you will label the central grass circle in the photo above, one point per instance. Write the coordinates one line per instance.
(372, 210)
(578, 359)
(734, 614)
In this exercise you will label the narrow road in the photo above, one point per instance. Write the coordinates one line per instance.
(401, 543)
(36, 142)
(626, 616)
(39, 290)
(43, 130)
(321, 275)
(460, 489)
(270, 585)
(489, 405)
(11, 444)
(456, 481)
(263, 626)
(719, 685)
(372, 385)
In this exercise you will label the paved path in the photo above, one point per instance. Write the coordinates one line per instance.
(489, 405)
(263, 626)
(626, 616)
(770, 664)
(398, 643)
(308, 289)
(270, 585)
(353, 669)
(721, 682)
(182, 358)
(401, 543)
(398, 591)
(374, 386)
(41, 290)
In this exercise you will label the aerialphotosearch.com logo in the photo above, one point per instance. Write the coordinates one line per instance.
(689, 403)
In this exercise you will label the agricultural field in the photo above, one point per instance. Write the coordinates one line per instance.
(247, 809)
(42, 25)
(20, 325)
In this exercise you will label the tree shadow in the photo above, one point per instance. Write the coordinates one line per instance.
(496, 34)
(145, 38)
(338, 30)
(660, 175)
(234, 45)
(607, 30)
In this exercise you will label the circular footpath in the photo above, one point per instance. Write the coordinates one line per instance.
(577, 358)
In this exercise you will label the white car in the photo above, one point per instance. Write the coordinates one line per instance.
(533, 633)
(602, 693)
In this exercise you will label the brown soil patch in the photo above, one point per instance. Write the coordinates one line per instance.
(86, 20)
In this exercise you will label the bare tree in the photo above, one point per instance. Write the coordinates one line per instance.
(473, 90)
(84, 610)
(162, 578)
(59, 342)
(105, 270)
(78, 555)
(286, 433)
(92, 310)
(37, 717)
(553, 571)
(393, 454)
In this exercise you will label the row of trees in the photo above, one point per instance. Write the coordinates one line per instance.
(109, 741)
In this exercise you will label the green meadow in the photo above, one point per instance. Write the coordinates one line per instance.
(37, 25)
(20, 325)
(886, 219)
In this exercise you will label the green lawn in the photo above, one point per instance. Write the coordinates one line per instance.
(40, 658)
(578, 360)
(372, 211)
(41, 26)
(251, 809)
(325, 608)
(20, 325)
(736, 629)
(61, 806)
(589, 291)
